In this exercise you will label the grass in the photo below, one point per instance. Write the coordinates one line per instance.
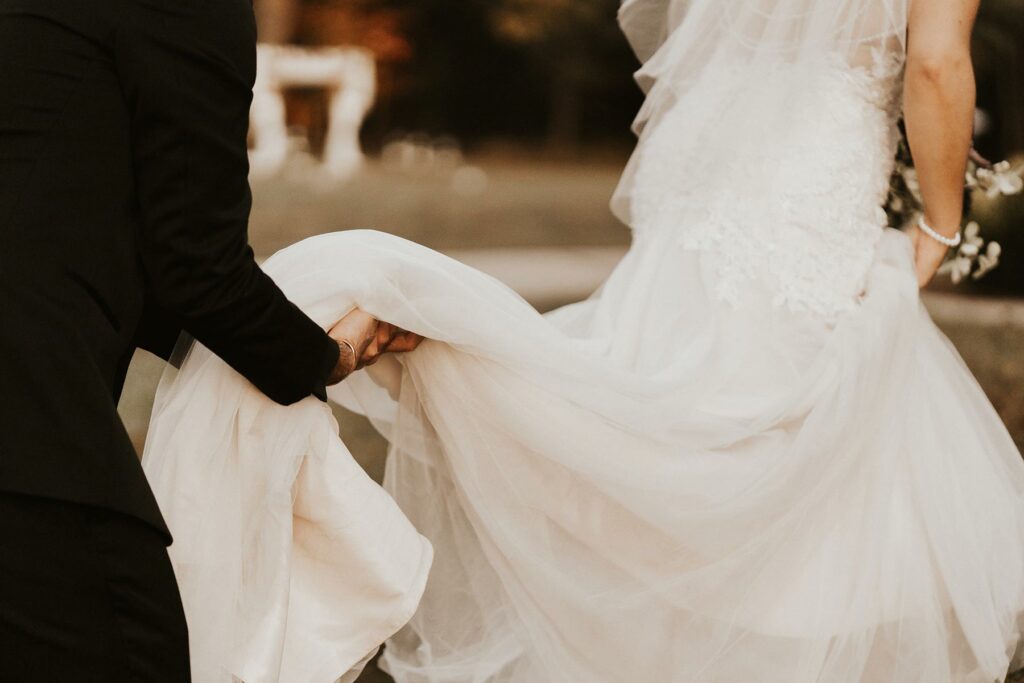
(994, 356)
(521, 204)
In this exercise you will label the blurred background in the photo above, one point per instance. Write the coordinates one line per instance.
(496, 130)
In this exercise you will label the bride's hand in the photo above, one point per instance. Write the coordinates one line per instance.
(928, 256)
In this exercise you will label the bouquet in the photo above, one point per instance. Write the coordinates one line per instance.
(975, 256)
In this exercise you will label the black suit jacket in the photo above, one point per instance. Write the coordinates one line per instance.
(124, 204)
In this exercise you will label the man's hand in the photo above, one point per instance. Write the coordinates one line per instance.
(363, 339)
(354, 334)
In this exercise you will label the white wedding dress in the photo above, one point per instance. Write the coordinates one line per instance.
(751, 456)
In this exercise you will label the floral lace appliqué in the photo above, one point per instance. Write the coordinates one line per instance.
(790, 198)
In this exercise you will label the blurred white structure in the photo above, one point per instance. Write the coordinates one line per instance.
(349, 74)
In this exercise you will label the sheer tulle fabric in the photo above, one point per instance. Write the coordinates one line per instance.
(645, 486)
(633, 490)
(681, 41)
(293, 564)
(652, 486)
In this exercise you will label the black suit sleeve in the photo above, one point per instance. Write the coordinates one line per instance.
(158, 330)
(187, 68)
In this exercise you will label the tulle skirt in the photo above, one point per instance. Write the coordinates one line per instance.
(654, 486)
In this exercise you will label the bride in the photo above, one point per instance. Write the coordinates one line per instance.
(750, 456)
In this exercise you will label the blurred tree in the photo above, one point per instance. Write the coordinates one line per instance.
(276, 20)
(370, 24)
(374, 25)
(570, 40)
(459, 77)
(999, 59)
(999, 62)
(556, 70)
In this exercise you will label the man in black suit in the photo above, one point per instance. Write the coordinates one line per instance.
(123, 216)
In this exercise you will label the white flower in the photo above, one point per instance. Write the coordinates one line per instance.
(969, 250)
(971, 233)
(957, 268)
(909, 174)
(973, 242)
(971, 260)
(1001, 179)
(988, 260)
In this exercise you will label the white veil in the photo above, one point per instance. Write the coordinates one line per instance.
(687, 45)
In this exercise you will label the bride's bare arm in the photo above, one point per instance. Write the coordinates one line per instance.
(939, 98)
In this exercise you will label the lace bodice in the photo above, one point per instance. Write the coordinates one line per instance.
(790, 201)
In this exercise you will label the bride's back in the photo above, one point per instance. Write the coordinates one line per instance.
(768, 139)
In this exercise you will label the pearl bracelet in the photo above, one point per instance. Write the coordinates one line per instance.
(951, 242)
